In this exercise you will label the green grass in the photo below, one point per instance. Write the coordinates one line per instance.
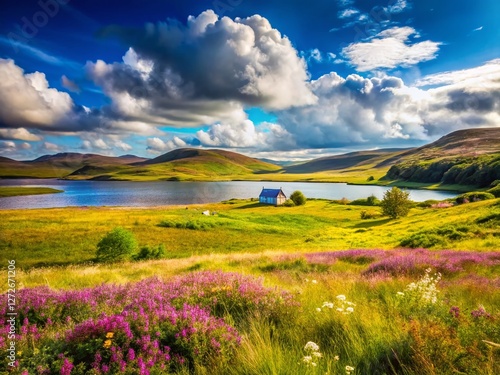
(40, 237)
(381, 336)
(17, 191)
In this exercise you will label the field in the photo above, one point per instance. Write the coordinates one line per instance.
(17, 191)
(255, 289)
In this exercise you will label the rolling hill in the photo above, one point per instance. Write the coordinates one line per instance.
(465, 157)
(366, 159)
(61, 165)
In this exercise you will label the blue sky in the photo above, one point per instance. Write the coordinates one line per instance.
(287, 80)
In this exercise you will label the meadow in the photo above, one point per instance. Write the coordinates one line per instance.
(257, 289)
(6, 191)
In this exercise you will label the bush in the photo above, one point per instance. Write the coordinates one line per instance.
(369, 214)
(371, 178)
(396, 203)
(372, 200)
(428, 203)
(289, 203)
(343, 201)
(424, 240)
(474, 196)
(117, 245)
(147, 253)
(298, 198)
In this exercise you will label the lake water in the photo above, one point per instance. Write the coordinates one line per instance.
(159, 193)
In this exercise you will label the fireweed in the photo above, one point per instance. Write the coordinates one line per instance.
(148, 327)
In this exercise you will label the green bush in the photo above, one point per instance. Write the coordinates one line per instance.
(371, 178)
(190, 224)
(396, 203)
(428, 203)
(474, 196)
(148, 253)
(298, 198)
(369, 215)
(289, 203)
(117, 245)
(424, 240)
(372, 200)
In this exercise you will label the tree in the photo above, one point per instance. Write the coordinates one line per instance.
(298, 198)
(396, 203)
(117, 245)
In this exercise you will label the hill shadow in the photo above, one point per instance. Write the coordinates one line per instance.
(370, 224)
(253, 205)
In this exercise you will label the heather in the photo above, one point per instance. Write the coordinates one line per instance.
(359, 311)
(152, 326)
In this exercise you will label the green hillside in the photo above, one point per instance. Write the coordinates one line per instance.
(465, 157)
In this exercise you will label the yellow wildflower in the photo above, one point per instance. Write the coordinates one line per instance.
(107, 344)
(109, 335)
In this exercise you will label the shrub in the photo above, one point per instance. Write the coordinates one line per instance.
(396, 203)
(298, 198)
(117, 245)
(369, 214)
(289, 203)
(474, 196)
(372, 200)
(424, 240)
(371, 178)
(147, 253)
(343, 201)
(428, 203)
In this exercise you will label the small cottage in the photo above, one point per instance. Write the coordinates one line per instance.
(272, 196)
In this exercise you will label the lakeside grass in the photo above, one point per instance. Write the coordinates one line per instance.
(62, 236)
(6, 191)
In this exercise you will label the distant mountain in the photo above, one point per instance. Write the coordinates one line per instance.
(282, 163)
(366, 159)
(61, 165)
(469, 156)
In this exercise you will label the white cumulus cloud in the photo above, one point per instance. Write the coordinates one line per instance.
(389, 49)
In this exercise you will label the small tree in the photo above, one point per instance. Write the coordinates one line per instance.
(396, 203)
(298, 198)
(117, 245)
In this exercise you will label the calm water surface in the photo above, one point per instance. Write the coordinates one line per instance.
(158, 193)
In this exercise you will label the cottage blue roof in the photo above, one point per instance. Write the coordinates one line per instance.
(270, 193)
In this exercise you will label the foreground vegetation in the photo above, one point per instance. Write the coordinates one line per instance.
(357, 312)
(256, 289)
(6, 191)
(41, 236)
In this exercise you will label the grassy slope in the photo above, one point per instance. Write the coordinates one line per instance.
(214, 165)
(41, 236)
(6, 191)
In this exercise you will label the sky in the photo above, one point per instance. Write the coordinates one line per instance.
(285, 80)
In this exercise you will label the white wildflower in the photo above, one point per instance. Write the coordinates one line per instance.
(317, 354)
(349, 369)
(307, 359)
(349, 310)
(328, 304)
(314, 281)
(318, 309)
(336, 358)
(341, 297)
(312, 347)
